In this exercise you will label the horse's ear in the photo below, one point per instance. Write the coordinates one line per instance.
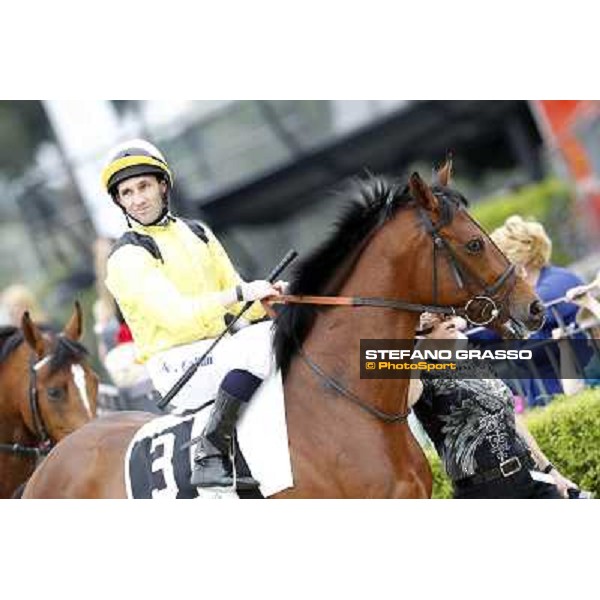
(74, 328)
(421, 193)
(444, 174)
(32, 334)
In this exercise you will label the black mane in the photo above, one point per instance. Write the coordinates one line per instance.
(64, 351)
(372, 201)
(10, 340)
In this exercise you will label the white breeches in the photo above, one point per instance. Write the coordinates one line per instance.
(249, 349)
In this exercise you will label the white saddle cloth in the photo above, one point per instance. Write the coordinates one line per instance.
(262, 437)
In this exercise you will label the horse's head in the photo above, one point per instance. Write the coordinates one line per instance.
(62, 386)
(459, 265)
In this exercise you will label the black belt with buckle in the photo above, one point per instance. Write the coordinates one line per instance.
(509, 467)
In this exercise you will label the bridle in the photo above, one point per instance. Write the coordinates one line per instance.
(461, 273)
(44, 442)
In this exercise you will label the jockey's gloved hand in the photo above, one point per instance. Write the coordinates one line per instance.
(281, 286)
(247, 292)
(257, 290)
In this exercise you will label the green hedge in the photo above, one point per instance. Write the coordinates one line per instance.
(549, 202)
(567, 431)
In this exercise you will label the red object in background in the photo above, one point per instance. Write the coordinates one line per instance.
(557, 120)
(124, 334)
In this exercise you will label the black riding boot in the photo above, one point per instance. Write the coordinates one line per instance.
(212, 465)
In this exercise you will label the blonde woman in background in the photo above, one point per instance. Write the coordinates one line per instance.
(526, 244)
(16, 299)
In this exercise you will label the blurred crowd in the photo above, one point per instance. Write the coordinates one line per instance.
(15, 300)
(572, 313)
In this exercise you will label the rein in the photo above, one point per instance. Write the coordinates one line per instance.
(357, 301)
(333, 383)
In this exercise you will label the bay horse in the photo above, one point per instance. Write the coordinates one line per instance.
(47, 391)
(412, 248)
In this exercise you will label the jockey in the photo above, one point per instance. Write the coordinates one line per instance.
(176, 286)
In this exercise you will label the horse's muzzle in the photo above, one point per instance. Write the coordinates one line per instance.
(537, 314)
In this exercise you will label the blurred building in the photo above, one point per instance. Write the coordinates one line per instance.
(258, 172)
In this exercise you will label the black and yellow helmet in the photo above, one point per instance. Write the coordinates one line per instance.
(131, 159)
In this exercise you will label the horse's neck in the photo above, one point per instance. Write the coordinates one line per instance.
(12, 426)
(14, 431)
(376, 278)
(15, 469)
(334, 341)
(14, 399)
(328, 432)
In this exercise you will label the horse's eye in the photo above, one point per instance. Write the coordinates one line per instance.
(56, 394)
(474, 246)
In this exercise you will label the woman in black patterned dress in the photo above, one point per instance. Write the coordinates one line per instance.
(485, 448)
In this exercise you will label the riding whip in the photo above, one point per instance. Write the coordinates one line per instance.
(162, 402)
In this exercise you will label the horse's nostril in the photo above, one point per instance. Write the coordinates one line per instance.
(536, 308)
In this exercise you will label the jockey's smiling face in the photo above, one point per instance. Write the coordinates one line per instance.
(142, 197)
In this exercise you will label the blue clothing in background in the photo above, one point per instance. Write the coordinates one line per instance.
(552, 284)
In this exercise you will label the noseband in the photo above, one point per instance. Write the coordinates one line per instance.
(44, 443)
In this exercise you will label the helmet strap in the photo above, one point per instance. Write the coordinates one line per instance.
(158, 221)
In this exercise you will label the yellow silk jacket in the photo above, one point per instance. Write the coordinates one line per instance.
(162, 276)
